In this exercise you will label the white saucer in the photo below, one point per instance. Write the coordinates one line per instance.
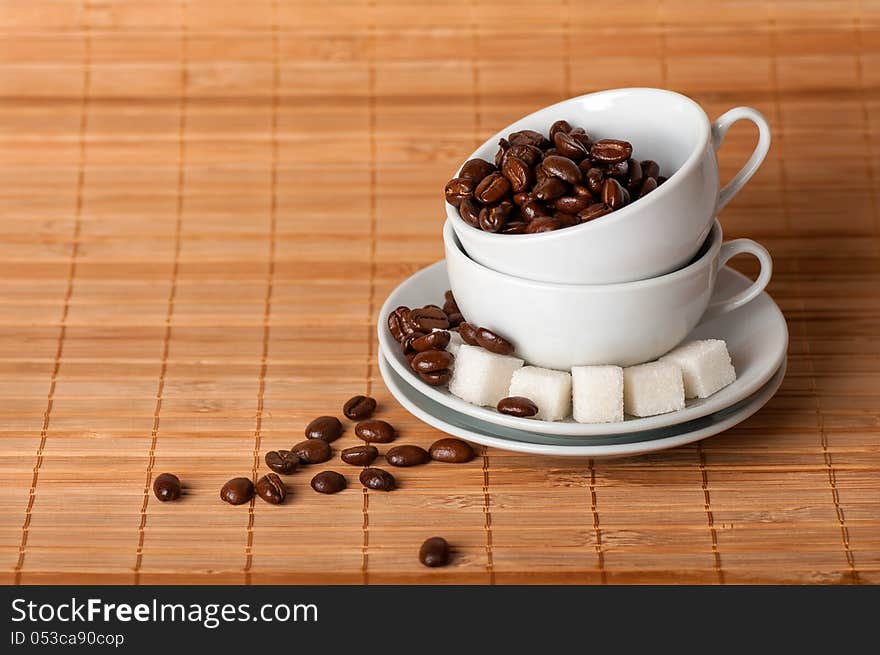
(623, 445)
(756, 335)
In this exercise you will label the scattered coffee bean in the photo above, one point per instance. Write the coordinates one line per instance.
(358, 408)
(494, 342)
(434, 552)
(468, 333)
(271, 489)
(375, 431)
(430, 361)
(377, 479)
(398, 323)
(329, 482)
(451, 450)
(237, 491)
(407, 344)
(360, 455)
(282, 461)
(407, 455)
(312, 451)
(328, 428)
(434, 341)
(166, 486)
(436, 378)
(517, 406)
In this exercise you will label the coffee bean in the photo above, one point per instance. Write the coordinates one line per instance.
(540, 173)
(434, 552)
(559, 126)
(282, 461)
(563, 168)
(436, 378)
(166, 486)
(568, 146)
(328, 428)
(455, 319)
(375, 430)
(517, 406)
(469, 211)
(409, 357)
(517, 173)
(550, 188)
(492, 188)
(595, 210)
(543, 224)
(468, 333)
(613, 194)
(515, 227)
(566, 220)
(451, 450)
(329, 482)
(459, 188)
(532, 209)
(449, 304)
(503, 147)
(432, 360)
(595, 178)
(634, 182)
(407, 455)
(360, 455)
(357, 408)
(395, 323)
(649, 185)
(618, 170)
(377, 479)
(492, 219)
(426, 319)
(579, 135)
(661, 179)
(494, 342)
(433, 341)
(650, 169)
(528, 137)
(312, 451)
(530, 154)
(271, 489)
(237, 491)
(406, 346)
(610, 151)
(476, 170)
(572, 204)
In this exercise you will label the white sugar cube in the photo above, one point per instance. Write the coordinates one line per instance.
(482, 377)
(455, 342)
(598, 394)
(550, 390)
(652, 388)
(705, 365)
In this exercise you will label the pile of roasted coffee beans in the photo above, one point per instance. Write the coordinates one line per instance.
(541, 184)
(316, 449)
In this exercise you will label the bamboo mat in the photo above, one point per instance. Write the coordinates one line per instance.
(204, 203)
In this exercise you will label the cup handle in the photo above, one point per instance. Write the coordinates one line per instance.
(730, 250)
(719, 131)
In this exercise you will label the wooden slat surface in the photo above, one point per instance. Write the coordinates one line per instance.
(204, 203)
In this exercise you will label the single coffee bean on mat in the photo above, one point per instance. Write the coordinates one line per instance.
(360, 455)
(374, 430)
(282, 461)
(271, 489)
(312, 451)
(237, 491)
(377, 479)
(166, 486)
(434, 552)
(436, 378)
(328, 428)
(517, 406)
(434, 341)
(432, 360)
(494, 342)
(451, 450)
(407, 455)
(329, 482)
(358, 408)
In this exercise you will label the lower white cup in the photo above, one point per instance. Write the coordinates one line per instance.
(563, 325)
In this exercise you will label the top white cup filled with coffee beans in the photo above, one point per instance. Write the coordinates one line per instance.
(609, 187)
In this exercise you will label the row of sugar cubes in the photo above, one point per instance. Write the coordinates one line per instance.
(595, 394)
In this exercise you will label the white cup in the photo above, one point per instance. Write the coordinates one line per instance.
(652, 236)
(563, 325)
